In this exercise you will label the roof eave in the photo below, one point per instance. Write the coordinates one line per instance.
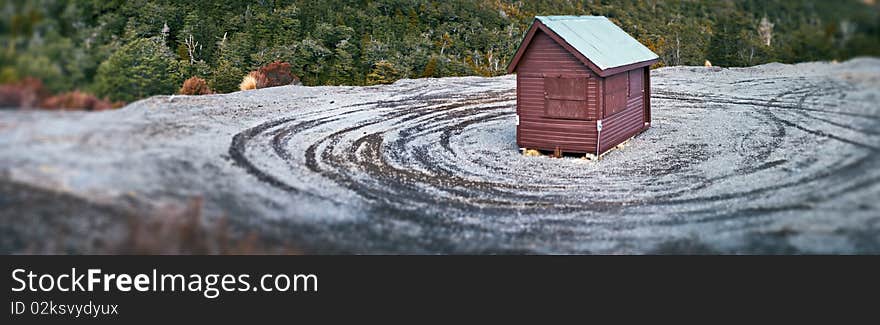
(511, 67)
(616, 70)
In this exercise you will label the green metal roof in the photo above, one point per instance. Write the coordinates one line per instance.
(598, 39)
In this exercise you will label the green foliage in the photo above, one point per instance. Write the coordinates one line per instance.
(197, 68)
(430, 68)
(383, 72)
(8, 75)
(42, 68)
(336, 42)
(142, 68)
(311, 58)
(225, 77)
(732, 44)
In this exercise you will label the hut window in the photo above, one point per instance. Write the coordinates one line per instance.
(636, 86)
(565, 97)
(616, 93)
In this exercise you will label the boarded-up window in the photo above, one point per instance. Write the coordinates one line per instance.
(636, 86)
(565, 97)
(615, 93)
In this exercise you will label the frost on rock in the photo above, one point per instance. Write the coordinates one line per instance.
(773, 158)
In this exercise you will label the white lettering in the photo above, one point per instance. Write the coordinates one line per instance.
(93, 278)
(14, 277)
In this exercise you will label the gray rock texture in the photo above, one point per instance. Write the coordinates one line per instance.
(767, 159)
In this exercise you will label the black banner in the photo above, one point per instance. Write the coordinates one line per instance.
(335, 288)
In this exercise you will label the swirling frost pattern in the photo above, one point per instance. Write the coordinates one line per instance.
(736, 160)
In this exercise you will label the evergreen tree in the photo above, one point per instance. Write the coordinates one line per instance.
(142, 68)
(430, 68)
(383, 72)
(727, 41)
(225, 77)
(311, 59)
(342, 71)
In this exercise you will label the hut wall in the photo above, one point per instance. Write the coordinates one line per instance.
(625, 114)
(552, 107)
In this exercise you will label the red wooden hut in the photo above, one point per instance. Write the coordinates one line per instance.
(582, 85)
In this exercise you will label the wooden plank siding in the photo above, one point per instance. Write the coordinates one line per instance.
(628, 121)
(537, 129)
(624, 124)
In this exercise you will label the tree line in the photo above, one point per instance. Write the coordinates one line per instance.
(129, 49)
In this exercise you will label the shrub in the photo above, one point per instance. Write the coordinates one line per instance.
(195, 86)
(260, 79)
(77, 100)
(271, 75)
(26, 93)
(275, 74)
(248, 83)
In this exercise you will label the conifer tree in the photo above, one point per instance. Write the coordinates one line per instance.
(141, 68)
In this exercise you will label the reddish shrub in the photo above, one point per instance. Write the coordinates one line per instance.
(260, 79)
(77, 100)
(195, 86)
(26, 93)
(10, 96)
(274, 74)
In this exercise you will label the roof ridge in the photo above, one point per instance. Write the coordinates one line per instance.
(596, 39)
(571, 17)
